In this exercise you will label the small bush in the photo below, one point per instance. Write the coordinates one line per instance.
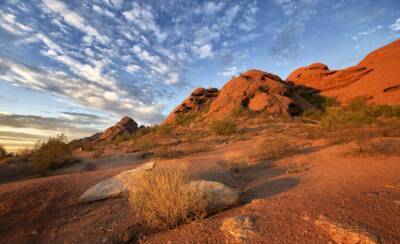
(313, 114)
(273, 149)
(164, 130)
(240, 112)
(376, 146)
(50, 154)
(224, 127)
(162, 200)
(172, 153)
(339, 118)
(185, 119)
(3, 153)
(122, 137)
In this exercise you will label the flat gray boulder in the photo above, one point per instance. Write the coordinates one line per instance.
(219, 196)
(126, 181)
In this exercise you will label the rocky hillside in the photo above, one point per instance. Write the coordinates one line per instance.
(126, 126)
(376, 77)
(199, 100)
(254, 90)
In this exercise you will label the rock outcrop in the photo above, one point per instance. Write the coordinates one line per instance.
(258, 91)
(376, 77)
(126, 126)
(127, 181)
(254, 90)
(219, 196)
(199, 100)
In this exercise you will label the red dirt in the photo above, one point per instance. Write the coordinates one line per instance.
(362, 191)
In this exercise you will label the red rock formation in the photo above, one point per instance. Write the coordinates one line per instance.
(376, 77)
(196, 102)
(258, 91)
(126, 125)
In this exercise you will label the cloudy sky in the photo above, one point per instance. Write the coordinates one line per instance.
(77, 66)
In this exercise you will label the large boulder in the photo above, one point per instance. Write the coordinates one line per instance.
(127, 181)
(125, 126)
(198, 101)
(219, 196)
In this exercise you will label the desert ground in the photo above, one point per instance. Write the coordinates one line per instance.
(286, 198)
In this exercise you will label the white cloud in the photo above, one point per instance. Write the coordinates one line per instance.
(133, 68)
(142, 17)
(117, 3)
(230, 71)
(103, 11)
(173, 78)
(74, 19)
(9, 22)
(204, 51)
(396, 25)
(211, 8)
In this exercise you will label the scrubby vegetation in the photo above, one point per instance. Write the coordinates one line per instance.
(378, 146)
(163, 201)
(3, 153)
(357, 112)
(273, 149)
(187, 118)
(224, 127)
(168, 153)
(50, 154)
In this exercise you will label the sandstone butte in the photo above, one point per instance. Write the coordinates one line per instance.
(376, 77)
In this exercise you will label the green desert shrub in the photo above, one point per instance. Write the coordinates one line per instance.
(185, 119)
(50, 154)
(163, 202)
(123, 137)
(224, 127)
(3, 152)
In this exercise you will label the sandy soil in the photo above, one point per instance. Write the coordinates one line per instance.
(327, 181)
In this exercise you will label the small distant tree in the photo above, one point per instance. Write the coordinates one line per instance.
(3, 152)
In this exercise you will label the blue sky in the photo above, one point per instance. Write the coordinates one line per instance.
(78, 66)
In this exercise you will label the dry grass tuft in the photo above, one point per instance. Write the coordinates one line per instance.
(163, 202)
(273, 149)
(223, 127)
(174, 153)
(377, 146)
